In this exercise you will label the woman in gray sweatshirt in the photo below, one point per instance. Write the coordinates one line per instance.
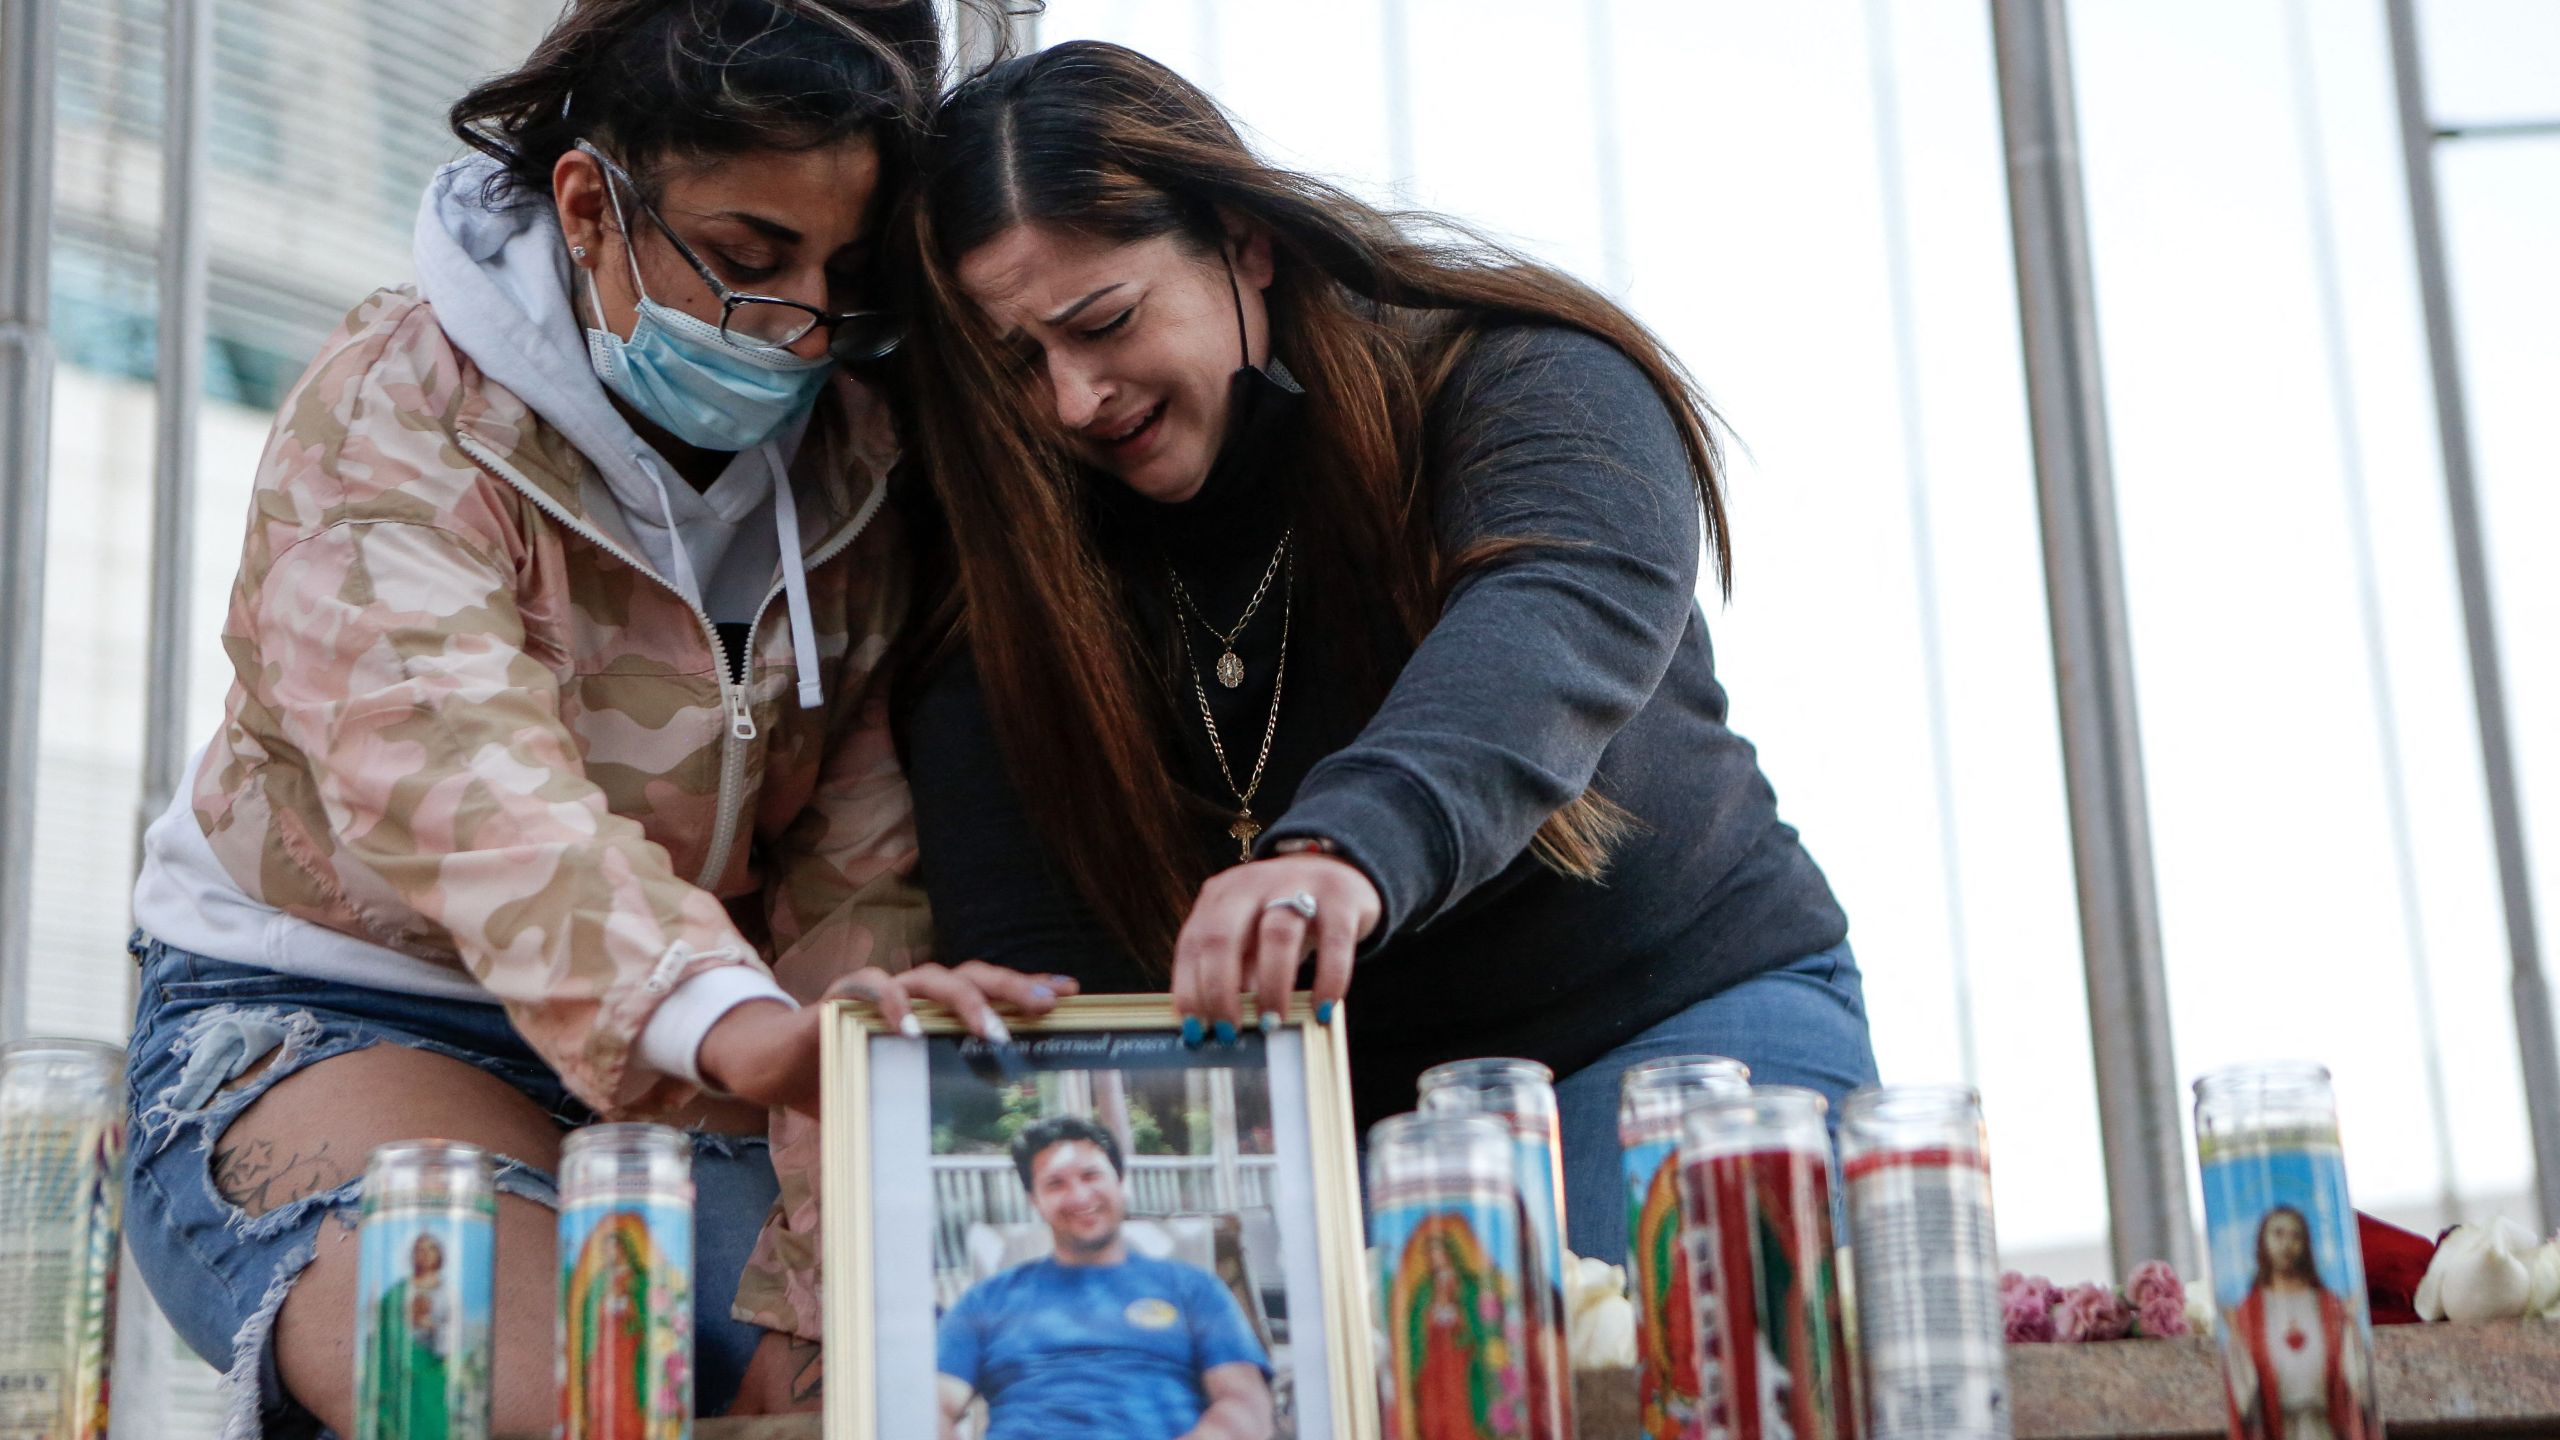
(1326, 595)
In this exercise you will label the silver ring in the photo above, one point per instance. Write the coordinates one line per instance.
(1302, 902)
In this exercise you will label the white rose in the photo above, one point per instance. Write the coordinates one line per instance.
(1599, 1320)
(1603, 1335)
(2201, 1319)
(1587, 1280)
(2479, 1273)
(2544, 1266)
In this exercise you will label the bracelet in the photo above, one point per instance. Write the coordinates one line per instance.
(1302, 844)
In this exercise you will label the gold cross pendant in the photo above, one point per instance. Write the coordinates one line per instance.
(1245, 828)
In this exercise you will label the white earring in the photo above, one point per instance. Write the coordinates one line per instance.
(577, 252)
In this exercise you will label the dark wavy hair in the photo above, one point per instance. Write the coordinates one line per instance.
(1060, 1130)
(1372, 311)
(695, 80)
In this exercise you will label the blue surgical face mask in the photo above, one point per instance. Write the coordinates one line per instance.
(684, 376)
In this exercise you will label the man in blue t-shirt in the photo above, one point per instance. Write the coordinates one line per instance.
(1090, 1340)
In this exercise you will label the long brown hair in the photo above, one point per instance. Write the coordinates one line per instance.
(1373, 312)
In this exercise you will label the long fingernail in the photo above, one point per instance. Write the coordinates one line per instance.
(996, 1033)
(1324, 1012)
(911, 1027)
(1191, 1031)
(1226, 1032)
(1270, 1022)
(1043, 993)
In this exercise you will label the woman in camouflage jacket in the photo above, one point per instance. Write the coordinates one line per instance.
(555, 771)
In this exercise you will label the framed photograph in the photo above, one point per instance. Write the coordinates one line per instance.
(1092, 1230)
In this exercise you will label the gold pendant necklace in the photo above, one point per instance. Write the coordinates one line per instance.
(1245, 827)
(1230, 666)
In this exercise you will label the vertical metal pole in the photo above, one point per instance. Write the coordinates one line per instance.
(26, 400)
(189, 82)
(2534, 1045)
(2139, 1101)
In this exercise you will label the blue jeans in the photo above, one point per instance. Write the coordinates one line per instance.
(221, 1273)
(1802, 1024)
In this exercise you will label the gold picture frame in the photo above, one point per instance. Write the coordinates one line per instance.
(851, 1217)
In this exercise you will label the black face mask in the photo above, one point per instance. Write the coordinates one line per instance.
(1263, 403)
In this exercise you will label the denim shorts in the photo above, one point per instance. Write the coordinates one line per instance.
(221, 1273)
(1804, 1023)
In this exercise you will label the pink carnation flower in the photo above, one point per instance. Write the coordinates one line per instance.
(2153, 1280)
(2025, 1318)
(2035, 1285)
(2163, 1316)
(2093, 1312)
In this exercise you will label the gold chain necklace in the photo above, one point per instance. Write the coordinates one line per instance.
(1246, 827)
(1230, 667)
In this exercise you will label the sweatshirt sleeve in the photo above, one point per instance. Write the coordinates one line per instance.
(397, 665)
(1554, 441)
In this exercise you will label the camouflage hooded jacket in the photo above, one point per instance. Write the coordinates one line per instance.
(468, 725)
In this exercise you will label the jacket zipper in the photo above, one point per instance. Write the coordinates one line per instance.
(733, 696)
(742, 724)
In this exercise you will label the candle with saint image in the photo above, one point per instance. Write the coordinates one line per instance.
(1522, 1095)
(2287, 1265)
(1672, 1402)
(1444, 1228)
(1755, 1173)
(426, 1258)
(626, 1284)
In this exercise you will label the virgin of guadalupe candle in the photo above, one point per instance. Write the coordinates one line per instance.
(1522, 1094)
(2288, 1274)
(626, 1284)
(426, 1267)
(1671, 1399)
(1444, 1224)
(1756, 1188)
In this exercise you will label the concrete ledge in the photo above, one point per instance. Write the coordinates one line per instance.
(2480, 1382)
(2490, 1380)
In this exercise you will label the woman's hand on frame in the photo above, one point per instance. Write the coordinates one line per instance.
(1248, 931)
(767, 1053)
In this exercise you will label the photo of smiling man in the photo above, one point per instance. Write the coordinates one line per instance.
(1092, 1338)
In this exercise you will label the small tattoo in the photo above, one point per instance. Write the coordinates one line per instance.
(253, 1177)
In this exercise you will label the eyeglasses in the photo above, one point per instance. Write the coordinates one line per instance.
(766, 322)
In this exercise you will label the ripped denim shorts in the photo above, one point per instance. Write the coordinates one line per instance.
(221, 1273)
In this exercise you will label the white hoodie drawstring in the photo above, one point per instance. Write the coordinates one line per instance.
(685, 579)
(795, 581)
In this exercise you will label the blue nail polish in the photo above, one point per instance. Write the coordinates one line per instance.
(1043, 992)
(1269, 1023)
(1324, 1012)
(1226, 1032)
(1191, 1031)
